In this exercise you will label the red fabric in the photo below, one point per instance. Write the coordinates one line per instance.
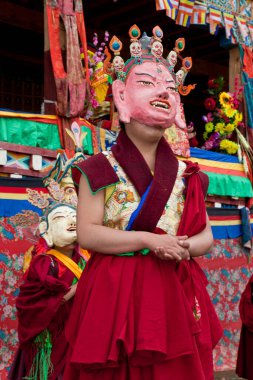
(244, 366)
(126, 307)
(248, 60)
(246, 305)
(105, 175)
(191, 275)
(40, 307)
(193, 219)
(70, 85)
(131, 317)
(162, 182)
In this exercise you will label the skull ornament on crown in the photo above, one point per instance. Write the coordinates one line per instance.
(118, 63)
(135, 49)
(180, 76)
(156, 44)
(172, 58)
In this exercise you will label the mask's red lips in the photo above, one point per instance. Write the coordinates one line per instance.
(72, 228)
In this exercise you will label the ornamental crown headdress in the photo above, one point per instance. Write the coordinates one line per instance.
(60, 186)
(145, 48)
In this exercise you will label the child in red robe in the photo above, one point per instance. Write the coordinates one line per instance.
(45, 298)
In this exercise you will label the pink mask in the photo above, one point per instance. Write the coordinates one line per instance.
(148, 96)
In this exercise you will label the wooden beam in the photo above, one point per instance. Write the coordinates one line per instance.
(21, 17)
(28, 149)
(26, 172)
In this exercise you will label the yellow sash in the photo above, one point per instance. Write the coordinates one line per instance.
(67, 261)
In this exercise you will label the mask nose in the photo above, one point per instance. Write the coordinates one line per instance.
(72, 219)
(163, 93)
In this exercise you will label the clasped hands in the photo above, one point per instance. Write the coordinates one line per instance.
(173, 248)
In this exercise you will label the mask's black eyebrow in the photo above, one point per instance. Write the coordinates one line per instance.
(57, 215)
(149, 75)
(154, 78)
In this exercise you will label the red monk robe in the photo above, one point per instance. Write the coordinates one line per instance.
(41, 309)
(133, 317)
(244, 367)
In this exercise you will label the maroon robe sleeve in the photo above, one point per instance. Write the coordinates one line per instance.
(39, 299)
(193, 219)
(97, 170)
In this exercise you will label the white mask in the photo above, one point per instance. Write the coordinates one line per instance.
(60, 228)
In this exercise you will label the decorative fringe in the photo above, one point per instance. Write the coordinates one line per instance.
(42, 366)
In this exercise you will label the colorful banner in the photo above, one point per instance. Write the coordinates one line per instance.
(215, 12)
(18, 233)
(199, 15)
(226, 175)
(243, 28)
(172, 12)
(185, 11)
(159, 5)
(171, 7)
(229, 223)
(228, 21)
(215, 19)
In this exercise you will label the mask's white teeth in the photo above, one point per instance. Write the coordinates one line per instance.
(158, 104)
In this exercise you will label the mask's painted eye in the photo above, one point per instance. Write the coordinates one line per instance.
(145, 83)
(171, 89)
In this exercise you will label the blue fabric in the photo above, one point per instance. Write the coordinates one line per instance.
(248, 91)
(228, 232)
(10, 207)
(137, 211)
(246, 227)
(209, 155)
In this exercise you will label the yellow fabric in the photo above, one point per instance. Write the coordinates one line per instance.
(27, 258)
(216, 164)
(85, 254)
(67, 261)
(109, 191)
(225, 222)
(13, 196)
(27, 115)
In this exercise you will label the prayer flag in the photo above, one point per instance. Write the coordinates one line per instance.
(171, 7)
(214, 20)
(160, 5)
(185, 11)
(199, 14)
(228, 20)
(243, 28)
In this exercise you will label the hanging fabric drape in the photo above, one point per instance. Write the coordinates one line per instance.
(70, 82)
